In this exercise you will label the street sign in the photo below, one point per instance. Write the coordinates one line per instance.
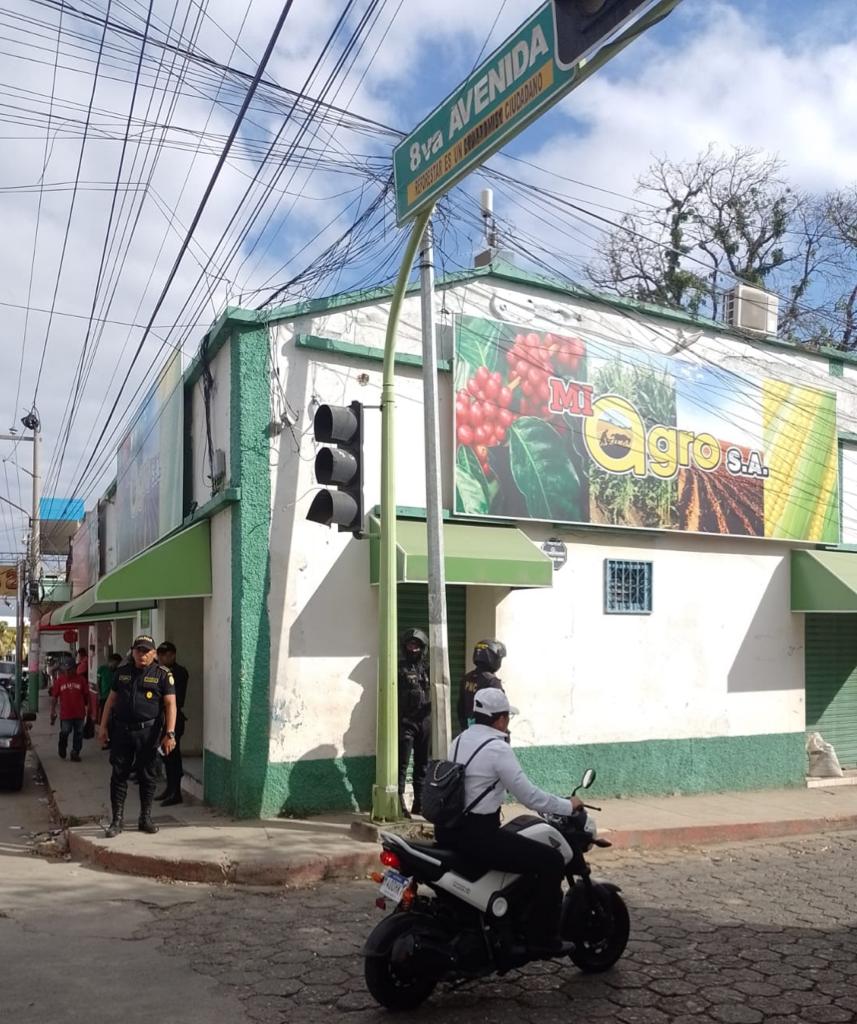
(536, 66)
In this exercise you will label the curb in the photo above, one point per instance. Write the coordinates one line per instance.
(297, 873)
(710, 835)
(302, 872)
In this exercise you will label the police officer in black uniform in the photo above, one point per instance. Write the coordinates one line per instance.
(172, 794)
(488, 656)
(141, 712)
(414, 714)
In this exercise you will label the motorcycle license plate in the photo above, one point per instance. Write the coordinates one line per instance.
(394, 885)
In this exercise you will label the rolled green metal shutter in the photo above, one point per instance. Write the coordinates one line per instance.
(831, 682)
(413, 612)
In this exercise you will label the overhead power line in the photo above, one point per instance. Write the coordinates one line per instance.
(251, 91)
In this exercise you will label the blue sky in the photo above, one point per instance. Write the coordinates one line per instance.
(756, 73)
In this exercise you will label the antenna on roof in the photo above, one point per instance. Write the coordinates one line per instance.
(486, 257)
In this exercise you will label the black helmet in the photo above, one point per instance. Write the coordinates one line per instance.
(413, 634)
(489, 654)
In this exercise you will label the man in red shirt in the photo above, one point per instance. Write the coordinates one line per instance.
(71, 691)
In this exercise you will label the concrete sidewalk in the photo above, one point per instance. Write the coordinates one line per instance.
(197, 844)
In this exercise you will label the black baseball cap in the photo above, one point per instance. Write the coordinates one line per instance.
(143, 642)
(167, 645)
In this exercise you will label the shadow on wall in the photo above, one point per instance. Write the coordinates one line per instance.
(758, 664)
(329, 626)
(323, 779)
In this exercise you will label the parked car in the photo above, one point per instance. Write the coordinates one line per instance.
(13, 741)
(7, 678)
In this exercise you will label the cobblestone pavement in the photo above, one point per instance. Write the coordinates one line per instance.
(745, 934)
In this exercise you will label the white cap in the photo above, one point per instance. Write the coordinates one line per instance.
(492, 701)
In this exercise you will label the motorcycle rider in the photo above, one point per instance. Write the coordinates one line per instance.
(414, 714)
(488, 656)
(495, 769)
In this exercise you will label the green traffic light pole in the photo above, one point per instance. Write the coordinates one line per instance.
(385, 794)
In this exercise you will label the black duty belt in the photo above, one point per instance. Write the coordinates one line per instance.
(137, 726)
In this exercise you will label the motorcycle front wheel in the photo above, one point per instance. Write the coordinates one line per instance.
(599, 929)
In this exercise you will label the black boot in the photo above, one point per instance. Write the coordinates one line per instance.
(145, 823)
(417, 805)
(118, 793)
(173, 800)
(165, 795)
(547, 942)
(405, 812)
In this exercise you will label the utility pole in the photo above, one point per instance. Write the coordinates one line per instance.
(19, 632)
(441, 724)
(385, 793)
(31, 422)
(30, 590)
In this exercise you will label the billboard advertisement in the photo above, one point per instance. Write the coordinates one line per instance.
(149, 478)
(583, 430)
(84, 555)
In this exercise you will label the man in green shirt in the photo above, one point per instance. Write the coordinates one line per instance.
(106, 674)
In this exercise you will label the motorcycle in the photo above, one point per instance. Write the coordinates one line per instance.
(470, 924)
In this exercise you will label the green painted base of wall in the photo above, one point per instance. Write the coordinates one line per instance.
(313, 787)
(663, 767)
(647, 768)
(216, 780)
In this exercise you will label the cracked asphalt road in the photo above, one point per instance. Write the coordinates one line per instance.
(81, 945)
(760, 933)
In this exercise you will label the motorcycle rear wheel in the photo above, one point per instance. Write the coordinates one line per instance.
(600, 933)
(391, 989)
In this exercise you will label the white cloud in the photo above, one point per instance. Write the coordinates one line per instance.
(733, 82)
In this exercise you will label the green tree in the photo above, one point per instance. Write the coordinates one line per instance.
(701, 225)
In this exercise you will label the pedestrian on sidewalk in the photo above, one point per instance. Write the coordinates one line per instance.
(106, 675)
(71, 692)
(139, 718)
(488, 656)
(173, 766)
(414, 692)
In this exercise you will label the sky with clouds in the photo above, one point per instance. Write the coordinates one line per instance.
(760, 73)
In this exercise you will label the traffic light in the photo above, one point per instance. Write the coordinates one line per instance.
(340, 467)
(582, 24)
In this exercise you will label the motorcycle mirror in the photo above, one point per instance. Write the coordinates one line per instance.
(588, 778)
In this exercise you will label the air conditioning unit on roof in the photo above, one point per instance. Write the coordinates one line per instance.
(751, 309)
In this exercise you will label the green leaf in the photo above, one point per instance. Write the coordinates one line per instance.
(477, 342)
(543, 471)
(472, 493)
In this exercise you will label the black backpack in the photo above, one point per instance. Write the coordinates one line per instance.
(443, 790)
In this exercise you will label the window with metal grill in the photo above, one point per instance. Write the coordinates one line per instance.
(627, 587)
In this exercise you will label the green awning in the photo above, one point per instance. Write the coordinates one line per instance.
(86, 609)
(492, 556)
(179, 566)
(824, 581)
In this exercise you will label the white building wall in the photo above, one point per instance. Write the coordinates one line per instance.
(722, 654)
(220, 424)
(111, 531)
